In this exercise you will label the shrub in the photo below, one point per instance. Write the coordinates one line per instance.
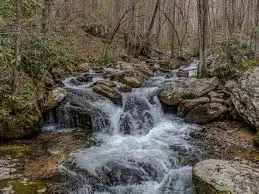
(42, 55)
(234, 58)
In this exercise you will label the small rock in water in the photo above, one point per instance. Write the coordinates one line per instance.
(84, 67)
(75, 82)
(85, 78)
(133, 82)
(110, 92)
(182, 73)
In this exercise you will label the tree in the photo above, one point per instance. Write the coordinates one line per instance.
(17, 45)
(202, 8)
(145, 49)
(257, 32)
(45, 15)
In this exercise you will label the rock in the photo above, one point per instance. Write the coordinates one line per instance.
(74, 115)
(78, 110)
(206, 113)
(182, 73)
(75, 82)
(55, 97)
(125, 65)
(44, 167)
(97, 30)
(225, 101)
(125, 89)
(8, 170)
(106, 82)
(110, 92)
(225, 177)
(84, 67)
(85, 78)
(214, 94)
(119, 173)
(194, 88)
(144, 69)
(186, 105)
(245, 97)
(133, 82)
(200, 87)
(173, 95)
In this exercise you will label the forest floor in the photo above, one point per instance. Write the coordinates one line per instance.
(228, 140)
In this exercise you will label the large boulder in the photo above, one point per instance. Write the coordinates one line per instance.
(194, 88)
(245, 97)
(206, 113)
(55, 97)
(225, 177)
(186, 105)
(80, 110)
(73, 115)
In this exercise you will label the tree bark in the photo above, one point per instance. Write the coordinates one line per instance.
(17, 47)
(202, 8)
(173, 31)
(152, 21)
(45, 15)
(257, 32)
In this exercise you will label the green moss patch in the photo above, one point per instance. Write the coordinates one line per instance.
(24, 187)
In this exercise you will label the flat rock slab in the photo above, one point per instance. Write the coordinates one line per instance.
(8, 169)
(225, 177)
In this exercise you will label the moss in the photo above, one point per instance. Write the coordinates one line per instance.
(256, 140)
(16, 150)
(24, 187)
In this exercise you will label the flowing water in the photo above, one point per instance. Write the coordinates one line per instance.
(139, 148)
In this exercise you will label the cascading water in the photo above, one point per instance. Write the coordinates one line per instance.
(139, 148)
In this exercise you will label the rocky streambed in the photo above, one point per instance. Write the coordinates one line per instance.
(135, 129)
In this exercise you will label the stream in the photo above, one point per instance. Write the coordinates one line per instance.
(138, 147)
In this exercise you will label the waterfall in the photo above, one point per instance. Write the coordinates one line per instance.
(140, 148)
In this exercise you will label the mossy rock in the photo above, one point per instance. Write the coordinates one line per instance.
(23, 187)
(16, 150)
(224, 177)
(133, 82)
(110, 92)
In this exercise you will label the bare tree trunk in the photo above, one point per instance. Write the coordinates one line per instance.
(145, 50)
(17, 47)
(202, 7)
(225, 18)
(257, 32)
(152, 20)
(131, 35)
(173, 32)
(45, 15)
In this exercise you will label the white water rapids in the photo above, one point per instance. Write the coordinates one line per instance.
(146, 152)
